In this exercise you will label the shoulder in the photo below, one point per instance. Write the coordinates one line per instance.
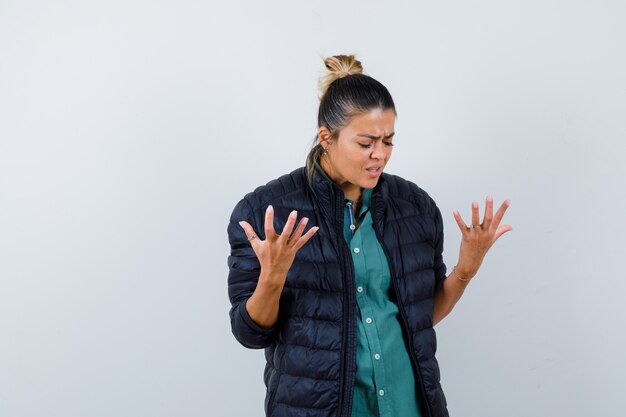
(291, 186)
(278, 188)
(404, 200)
(395, 187)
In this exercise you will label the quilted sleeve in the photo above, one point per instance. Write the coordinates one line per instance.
(243, 275)
(439, 265)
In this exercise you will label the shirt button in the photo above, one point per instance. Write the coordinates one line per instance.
(368, 320)
(381, 392)
(357, 250)
(352, 227)
(377, 356)
(359, 289)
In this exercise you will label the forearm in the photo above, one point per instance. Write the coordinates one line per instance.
(448, 294)
(263, 304)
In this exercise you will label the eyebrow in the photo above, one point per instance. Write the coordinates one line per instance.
(376, 137)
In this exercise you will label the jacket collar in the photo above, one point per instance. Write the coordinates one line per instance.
(328, 198)
(327, 192)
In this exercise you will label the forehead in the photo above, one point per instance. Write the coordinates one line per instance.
(378, 122)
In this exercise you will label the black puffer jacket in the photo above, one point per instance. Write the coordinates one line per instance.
(311, 351)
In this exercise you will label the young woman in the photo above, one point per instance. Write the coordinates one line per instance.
(336, 269)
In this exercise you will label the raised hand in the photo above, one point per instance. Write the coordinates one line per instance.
(277, 252)
(478, 238)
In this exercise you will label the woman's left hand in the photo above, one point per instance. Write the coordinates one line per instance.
(478, 239)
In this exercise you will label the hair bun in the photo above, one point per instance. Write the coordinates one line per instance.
(339, 66)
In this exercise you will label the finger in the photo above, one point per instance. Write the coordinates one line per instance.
(249, 231)
(488, 212)
(500, 213)
(459, 221)
(291, 221)
(502, 230)
(305, 237)
(298, 232)
(475, 217)
(270, 233)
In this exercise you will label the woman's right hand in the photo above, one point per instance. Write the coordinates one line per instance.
(277, 252)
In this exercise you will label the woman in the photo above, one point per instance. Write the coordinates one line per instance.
(344, 299)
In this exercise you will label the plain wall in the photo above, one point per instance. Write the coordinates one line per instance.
(129, 130)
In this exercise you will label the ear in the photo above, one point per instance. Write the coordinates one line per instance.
(324, 137)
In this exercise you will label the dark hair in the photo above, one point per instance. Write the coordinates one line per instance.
(346, 93)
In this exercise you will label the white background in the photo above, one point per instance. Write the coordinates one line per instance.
(129, 130)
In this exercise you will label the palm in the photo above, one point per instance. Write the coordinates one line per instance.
(478, 238)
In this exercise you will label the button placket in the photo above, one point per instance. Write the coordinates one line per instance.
(360, 248)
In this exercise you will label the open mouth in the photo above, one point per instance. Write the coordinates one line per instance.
(374, 171)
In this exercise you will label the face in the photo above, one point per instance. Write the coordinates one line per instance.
(356, 159)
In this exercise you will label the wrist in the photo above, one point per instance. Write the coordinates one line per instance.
(271, 280)
(461, 274)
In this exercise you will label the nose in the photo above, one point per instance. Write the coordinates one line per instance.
(379, 150)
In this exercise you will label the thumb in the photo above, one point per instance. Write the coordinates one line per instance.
(502, 230)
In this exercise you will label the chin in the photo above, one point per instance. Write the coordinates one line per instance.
(369, 183)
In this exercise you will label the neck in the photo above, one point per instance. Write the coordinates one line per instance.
(353, 194)
(350, 191)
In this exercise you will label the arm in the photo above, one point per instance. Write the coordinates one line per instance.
(243, 277)
(475, 243)
(447, 293)
(258, 270)
(262, 306)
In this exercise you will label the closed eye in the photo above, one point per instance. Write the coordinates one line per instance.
(369, 145)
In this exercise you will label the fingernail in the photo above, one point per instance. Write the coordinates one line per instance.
(305, 220)
(489, 197)
(474, 204)
(293, 214)
(270, 208)
(241, 224)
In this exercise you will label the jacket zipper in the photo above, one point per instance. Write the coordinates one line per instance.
(401, 308)
(346, 383)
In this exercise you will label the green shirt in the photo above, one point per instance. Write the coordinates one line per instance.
(384, 383)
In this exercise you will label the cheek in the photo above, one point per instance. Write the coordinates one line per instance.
(355, 156)
(361, 158)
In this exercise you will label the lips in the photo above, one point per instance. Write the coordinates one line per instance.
(375, 171)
